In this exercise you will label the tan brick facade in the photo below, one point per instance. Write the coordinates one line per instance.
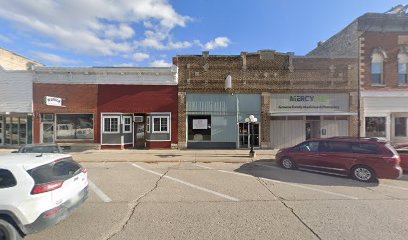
(264, 73)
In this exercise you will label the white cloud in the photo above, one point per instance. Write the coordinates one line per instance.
(99, 27)
(124, 65)
(52, 58)
(219, 42)
(160, 63)
(139, 57)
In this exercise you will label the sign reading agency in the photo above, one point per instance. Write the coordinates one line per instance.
(53, 101)
(310, 102)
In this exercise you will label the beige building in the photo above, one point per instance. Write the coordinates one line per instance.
(12, 61)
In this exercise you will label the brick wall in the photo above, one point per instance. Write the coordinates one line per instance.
(76, 99)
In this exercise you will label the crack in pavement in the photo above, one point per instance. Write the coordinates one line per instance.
(134, 204)
(281, 200)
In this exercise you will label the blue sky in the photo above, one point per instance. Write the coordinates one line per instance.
(150, 32)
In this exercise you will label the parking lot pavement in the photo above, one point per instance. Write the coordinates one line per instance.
(255, 200)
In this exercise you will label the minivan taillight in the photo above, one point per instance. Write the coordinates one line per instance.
(47, 187)
(394, 160)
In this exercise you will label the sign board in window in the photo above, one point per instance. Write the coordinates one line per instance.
(53, 101)
(200, 123)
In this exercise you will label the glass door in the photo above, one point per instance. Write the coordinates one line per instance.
(47, 133)
(245, 135)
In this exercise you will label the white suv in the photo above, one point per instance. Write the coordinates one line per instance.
(37, 191)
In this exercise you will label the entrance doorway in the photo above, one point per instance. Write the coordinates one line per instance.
(139, 133)
(312, 129)
(245, 135)
(47, 132)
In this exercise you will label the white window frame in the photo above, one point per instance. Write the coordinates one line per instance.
(160, 117)
(110, 117)
(148, 124)
(127, 124)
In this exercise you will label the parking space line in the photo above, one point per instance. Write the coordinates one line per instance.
(188, 184)
(98, 192)
(285, 183)
(396, 187)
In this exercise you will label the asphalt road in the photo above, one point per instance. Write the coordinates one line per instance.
(232, 201)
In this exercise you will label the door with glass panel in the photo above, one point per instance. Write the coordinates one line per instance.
(245, 135)
(47, 132)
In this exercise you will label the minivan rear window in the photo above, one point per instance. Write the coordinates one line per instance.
(7, 179)
(60, 170)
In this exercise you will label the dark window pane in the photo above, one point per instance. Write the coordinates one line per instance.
(199, 128)
(376, 78)
(339, 147)
(156, 124)
(309, 147)
(365, 148)
(6, 179)
(56, 171)
(401, 127)
(375, 126)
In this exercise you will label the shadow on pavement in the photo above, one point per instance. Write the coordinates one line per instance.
(276, 173)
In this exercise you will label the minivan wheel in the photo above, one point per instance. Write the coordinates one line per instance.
(363, 173)
(287, 163)
(8, 232)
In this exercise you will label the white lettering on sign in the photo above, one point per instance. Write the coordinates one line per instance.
(53, 101)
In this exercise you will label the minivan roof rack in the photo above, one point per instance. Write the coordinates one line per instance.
(360, 138)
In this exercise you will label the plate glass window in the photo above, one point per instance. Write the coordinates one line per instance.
(375, 126)
(199, 128)
(400, 126)
(74, 126)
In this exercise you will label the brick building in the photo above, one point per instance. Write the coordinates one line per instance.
(106, 107)
(379, 41)
(294, 98)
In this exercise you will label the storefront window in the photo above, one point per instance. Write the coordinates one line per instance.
(160, 124)
(199, 128)
(375, 126)
(127, 124)
(111, 124)
(401, 127)
(74, 126)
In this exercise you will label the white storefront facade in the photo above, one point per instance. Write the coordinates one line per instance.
(385, 115)
(296, 117)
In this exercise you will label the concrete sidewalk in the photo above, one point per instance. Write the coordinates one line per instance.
(168, 155)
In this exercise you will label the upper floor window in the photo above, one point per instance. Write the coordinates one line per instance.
(402, 68)
(377, 62)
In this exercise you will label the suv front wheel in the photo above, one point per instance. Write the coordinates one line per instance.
(8, 231)
(363, 174)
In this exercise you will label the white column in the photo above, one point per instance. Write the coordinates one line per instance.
(388, 123)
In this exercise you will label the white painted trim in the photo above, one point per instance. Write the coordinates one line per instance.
(103, 124)
(168, 124)
(130, 124)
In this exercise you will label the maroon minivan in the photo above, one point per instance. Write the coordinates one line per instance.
(364, 159)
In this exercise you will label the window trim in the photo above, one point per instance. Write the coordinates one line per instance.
(125, 124)
(103, 124)
(148, 124)
(160, 125)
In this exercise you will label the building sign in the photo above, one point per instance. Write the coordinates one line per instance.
(200, 123)
(310, 102)
(53, 101)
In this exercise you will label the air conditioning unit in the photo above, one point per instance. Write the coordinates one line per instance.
(138, 119)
